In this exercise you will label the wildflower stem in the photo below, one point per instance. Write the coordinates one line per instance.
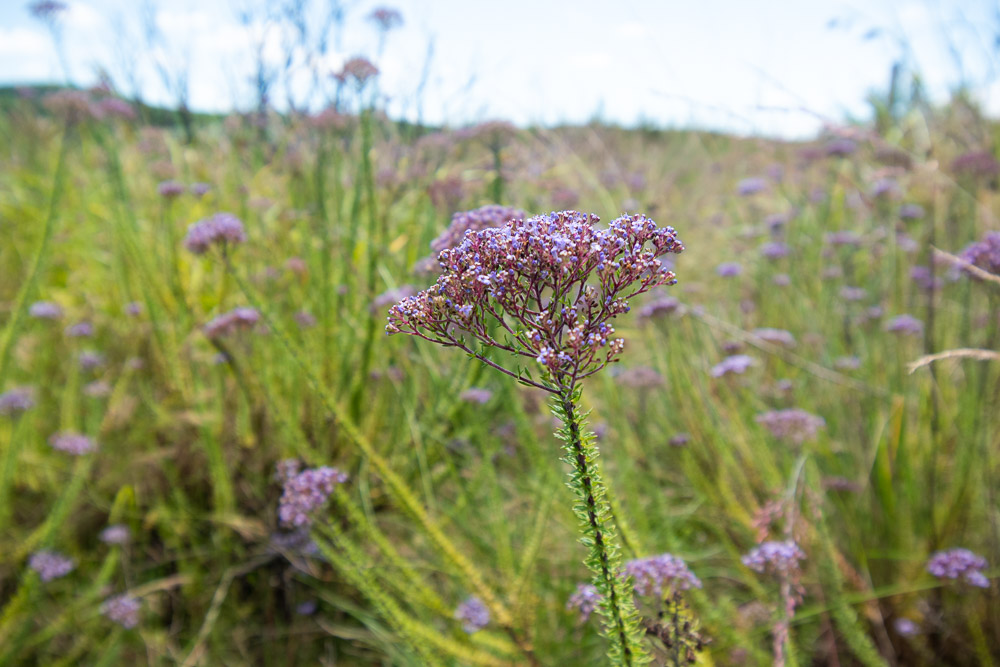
(599, 534)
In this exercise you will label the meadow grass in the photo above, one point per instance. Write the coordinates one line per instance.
(449, 497)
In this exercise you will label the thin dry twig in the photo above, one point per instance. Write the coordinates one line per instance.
(960, 353)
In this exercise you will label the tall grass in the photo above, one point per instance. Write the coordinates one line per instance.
(449, 498)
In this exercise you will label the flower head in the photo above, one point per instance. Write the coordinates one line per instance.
(656, 574)
(386, 18)
(552, 283)
(116, 534)
(359, 69)
(472, 614)
(959, 564)
(45, 310)
(794, 425)
(751, 186)
(123, 610)
(15, 401)
(484, 217)
(906, 325)
(985, 254)
(50, 565)
(170, 189)
(584, 600)
(306, 491)
(736, 364)
(72, 443)
(220, 229)
(776, 557)
(227, 323)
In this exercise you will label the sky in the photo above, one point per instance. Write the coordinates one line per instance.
(775, 68)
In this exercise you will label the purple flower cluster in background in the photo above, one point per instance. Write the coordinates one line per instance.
(476, 395)
(584, 600)
(116, 534)
(50, 565)
(736, 364)
(905, 325)
(220, 229)
(234, 320)
(551, 282)
(484, 217)
(472, 614)
(359, 69)
(751, 186)
(305, 492)
(170, 189)
(985, 254)
(659, 307)
(959, 564)
(45, 310)
(729, 269)
(72, 443)
(17, 400)
(977, 164)
(123, 610)
(794, 425)
(780, 558)
(778, 337)
(657, 574)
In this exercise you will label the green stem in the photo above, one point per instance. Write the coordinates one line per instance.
(593, 510)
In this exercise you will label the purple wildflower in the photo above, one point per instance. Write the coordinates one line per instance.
(985, 254)
(640, 377)
(782, 280)
(45, 310)
(305, 319)
(959, 564)
(393, 295)
(170, 189)
(780, 558)
(73, 106)
(729, 269)
(775, 250)
(541, 273)
(113, 107)
(15, 401)
(924, 278)
(976, 164)
(905, 627)
(843, 238)
(123, 610)
(736, 364)
(484, 217)
(89, 360)
(200, 189)
(72, 443)
(848, 293)
(584, 600)
(472, 614)
(47, 10)
(133, 308)
(386, 18)
(664, 305)
(359, 69)
(679, 440)
(885, 187)
(221, 228)
(840, 147)
(847, 363)
(751, 186)
(116, 534)
(794, 425)
(227, 323)
(905, 325)
(656, 574)
(307, 608)
(776, 221)
(80, 330)
(476, 395)
(305, 492)
(50, 565)
(911, 212)
(778, 337)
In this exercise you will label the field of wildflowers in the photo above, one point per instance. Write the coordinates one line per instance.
(782, 445)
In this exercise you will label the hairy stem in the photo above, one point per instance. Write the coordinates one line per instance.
(593, 510)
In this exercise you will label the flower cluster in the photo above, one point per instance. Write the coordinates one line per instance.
(959, 564)
(72, 443)
(985, 254)
(551, 283)
(584, 600)
(306, 491)
(977, 164)
(50, 565)
(170, 189)
(15, 401)
(736, 364)
(359, 68)
(794, 425)
(659, 307)
(220, 229)
(778, 337)
(776, 557)
(906, 325)
(45, 310)
(472, 614)
(116, 534)
(227, 323)
(484, 217)
(386, 18)
(123, 610)
(655, 574)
